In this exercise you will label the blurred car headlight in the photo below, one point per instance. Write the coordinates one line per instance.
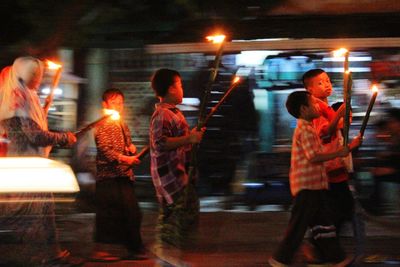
(35, 174)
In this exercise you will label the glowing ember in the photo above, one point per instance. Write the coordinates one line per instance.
(374, 88)
(53, 66)
(236, 79)
(114, 114)
(340, 52)
(216, 39)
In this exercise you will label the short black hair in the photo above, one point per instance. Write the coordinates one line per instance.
(162, 80)
(309, 75)
(112, 92)
(294, 102)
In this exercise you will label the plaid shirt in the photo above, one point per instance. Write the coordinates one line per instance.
(168, 167)
(304, 174)
(112, 138)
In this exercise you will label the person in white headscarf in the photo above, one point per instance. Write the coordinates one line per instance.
(24, 132)
(23, 124)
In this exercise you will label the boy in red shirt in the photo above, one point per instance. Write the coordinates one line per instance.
(317, 82)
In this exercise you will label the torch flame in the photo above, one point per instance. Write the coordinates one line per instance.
(114, 114)
(216, 39)
(236, 79)
(374, 88)
(340, 52)
(53, 66)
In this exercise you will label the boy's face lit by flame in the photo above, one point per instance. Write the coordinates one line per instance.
(320, 86)
(115, 103)
(175, 91)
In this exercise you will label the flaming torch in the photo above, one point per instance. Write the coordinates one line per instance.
(234, 84)
(216, 39)
(347, 85)
(109, 113)
(56, 79)
(370, 106)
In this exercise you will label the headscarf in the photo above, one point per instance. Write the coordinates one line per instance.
(18, 92)
(18, 95)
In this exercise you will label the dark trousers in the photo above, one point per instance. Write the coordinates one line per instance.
(341, 202)
(118, 216)
(310, 209)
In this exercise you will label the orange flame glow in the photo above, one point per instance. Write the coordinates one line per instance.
(340, 52)
(53, 66)
(374, 88)
(216, 39)
(236, 79)
(114, 114)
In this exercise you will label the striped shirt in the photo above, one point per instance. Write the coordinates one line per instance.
(168, 167)
(112, 138)
(304, 174)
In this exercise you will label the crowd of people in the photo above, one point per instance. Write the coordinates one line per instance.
(321, 167)
(24, 132)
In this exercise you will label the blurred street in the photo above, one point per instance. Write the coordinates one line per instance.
(235, 237)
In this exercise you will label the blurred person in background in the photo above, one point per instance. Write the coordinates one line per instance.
(386, 166)
(24, 131)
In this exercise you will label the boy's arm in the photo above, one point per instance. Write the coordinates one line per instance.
(342, 152)
(105, 143)
(330, 128)
(128, 160)
(325, 156)
(162, 136)
(311, 145)
(193, 137)
(131, 148)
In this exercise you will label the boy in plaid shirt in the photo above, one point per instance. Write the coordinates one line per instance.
(170, 145)
(309, 185)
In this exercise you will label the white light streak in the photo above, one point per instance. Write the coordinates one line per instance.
(35, 174)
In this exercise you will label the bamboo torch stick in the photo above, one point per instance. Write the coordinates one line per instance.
(234, 84)
(56, 79)
(216, 39)
(347, 84)
(370, 106)
(109, 113)
(220, 40)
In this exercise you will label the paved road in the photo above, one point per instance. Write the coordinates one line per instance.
(232, 238)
